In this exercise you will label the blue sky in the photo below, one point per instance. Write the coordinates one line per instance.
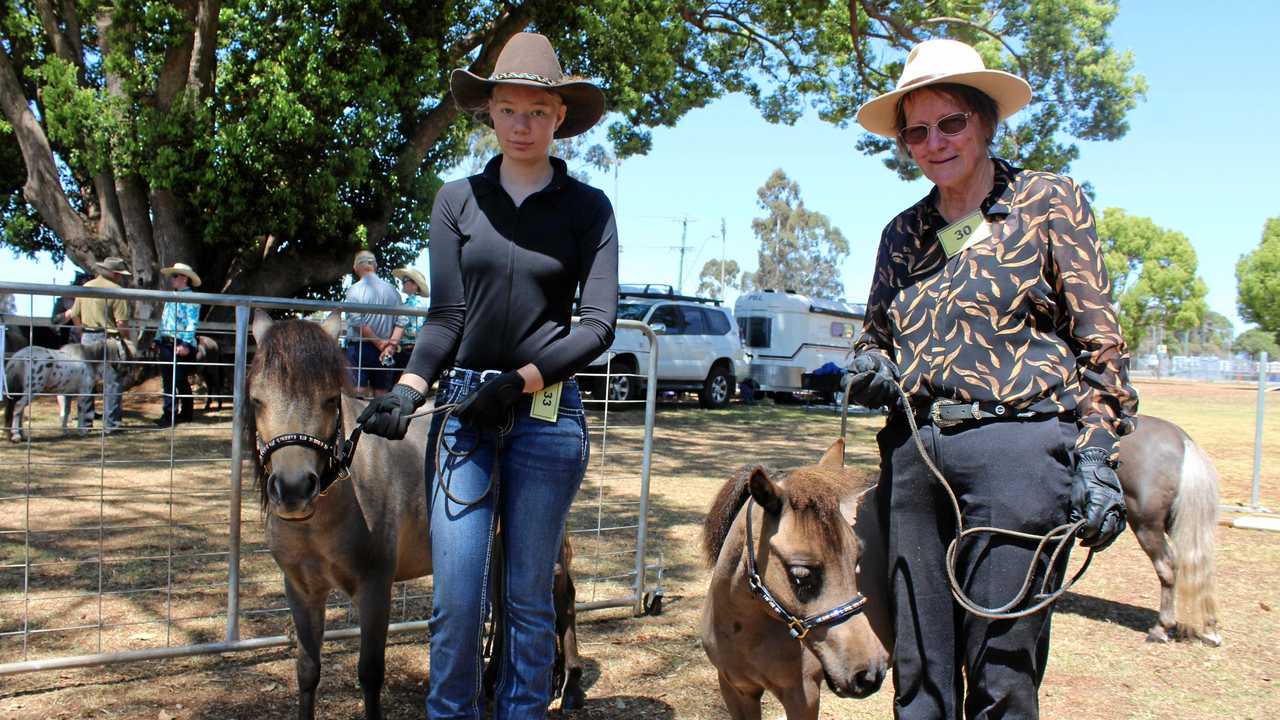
(1200, 157)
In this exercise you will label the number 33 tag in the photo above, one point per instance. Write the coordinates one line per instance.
(966, 231)
(546, 404)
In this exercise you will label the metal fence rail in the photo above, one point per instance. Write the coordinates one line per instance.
(136, 544)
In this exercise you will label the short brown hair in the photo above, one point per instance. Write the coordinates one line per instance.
(970, 98)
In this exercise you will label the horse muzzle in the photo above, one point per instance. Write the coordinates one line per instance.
(862, 684)
(292, 495)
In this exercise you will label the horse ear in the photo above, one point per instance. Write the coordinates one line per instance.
(333, 324)
(764, 491)
(834, 456)
(262, 322)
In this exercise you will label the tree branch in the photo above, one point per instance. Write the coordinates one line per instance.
(43, 188)
(204, 44)
(903, 31)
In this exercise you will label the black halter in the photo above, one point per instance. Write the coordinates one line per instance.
(338, 452)
(797, 626)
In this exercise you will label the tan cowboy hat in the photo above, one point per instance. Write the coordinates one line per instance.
(528, 59)
(415, 276)
(112, 264)
(183, 269)
(944, 61)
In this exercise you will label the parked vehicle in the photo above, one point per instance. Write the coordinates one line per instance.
(786, 335)
(698, 347)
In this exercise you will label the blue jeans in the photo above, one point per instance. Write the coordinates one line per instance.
(541, 465)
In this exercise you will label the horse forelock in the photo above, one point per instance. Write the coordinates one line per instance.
(299, 359)
(814, 493)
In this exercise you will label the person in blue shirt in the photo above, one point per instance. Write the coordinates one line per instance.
(175, 346)
(416, 294)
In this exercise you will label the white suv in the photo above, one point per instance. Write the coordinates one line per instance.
(698, 349)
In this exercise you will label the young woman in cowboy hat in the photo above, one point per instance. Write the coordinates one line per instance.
(991, 306)
(175, 345)
(509, 248)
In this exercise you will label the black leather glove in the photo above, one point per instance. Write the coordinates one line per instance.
(488, 406)
(875, 380)
(1097, 498)
(388, 415)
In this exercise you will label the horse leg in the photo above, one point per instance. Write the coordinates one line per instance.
(1156, 545)
(374, 602)
(64, 411)
(308, 622)
(568, 673)
(15, 409)
(801, 702)
(741, 705)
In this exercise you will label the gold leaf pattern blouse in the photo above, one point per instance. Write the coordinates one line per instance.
(1022, 318)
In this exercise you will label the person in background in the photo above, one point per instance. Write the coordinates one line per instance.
(175, 345)
(990, 309)
(371, 336)
(7, 307)
(101, 319)
(415, 290)
(67, 332)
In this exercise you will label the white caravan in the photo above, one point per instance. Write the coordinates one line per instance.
(786, 335)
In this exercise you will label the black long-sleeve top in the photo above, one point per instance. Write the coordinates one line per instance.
(503, 278)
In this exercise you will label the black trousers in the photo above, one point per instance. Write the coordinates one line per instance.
(179, 372)
(1011, 474)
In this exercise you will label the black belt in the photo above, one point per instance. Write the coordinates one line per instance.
(949, 413)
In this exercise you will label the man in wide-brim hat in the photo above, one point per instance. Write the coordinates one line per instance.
(101, 319)
(175, 346)
(990, 306)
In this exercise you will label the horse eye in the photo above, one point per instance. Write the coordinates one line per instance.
(806, 581)
(331, 402)
(256, 403)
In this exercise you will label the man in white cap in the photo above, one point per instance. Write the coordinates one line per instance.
(372, 336)
(175, 345)
(103, 319)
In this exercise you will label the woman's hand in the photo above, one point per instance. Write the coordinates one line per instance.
(875, 380)
(489, 404)
(1096, 497)
(388, 416)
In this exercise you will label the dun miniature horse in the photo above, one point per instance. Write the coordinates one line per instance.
(798, 590)
(358, 529)
(1171, 494)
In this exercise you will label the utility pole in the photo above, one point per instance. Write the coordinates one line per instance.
(684, 234)
(723, 291)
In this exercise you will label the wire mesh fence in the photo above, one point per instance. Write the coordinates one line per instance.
(135, 541)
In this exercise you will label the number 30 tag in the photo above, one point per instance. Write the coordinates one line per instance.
(546, 404)
(966, 231)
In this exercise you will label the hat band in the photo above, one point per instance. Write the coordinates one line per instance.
(522, 76)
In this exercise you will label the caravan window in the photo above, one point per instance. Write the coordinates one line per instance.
(842, 330)
(755, 331)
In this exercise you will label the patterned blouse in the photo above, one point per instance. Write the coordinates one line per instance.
(179, 321)
(412, 323)
(1023, 317)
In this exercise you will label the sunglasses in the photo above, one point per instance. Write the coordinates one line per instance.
(952, 124)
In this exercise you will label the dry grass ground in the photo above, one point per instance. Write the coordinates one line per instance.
(649, 667)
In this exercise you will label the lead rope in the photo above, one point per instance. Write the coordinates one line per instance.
(1062, 535)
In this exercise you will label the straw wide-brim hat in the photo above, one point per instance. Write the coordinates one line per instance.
(528, 59)
(944, 61)
(415, 276)
(183, 269)
(112, 264)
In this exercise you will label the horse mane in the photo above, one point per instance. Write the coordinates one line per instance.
(303, 358)
(724, 508)
(814, 492)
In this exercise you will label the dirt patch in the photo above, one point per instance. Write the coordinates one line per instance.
(653, 667)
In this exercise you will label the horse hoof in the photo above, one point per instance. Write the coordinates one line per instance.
(573, 699)
(1211, 639)
(1157, 634)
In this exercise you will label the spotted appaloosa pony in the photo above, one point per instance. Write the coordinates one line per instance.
(817, 545)
(71, 370)
(1171, 495)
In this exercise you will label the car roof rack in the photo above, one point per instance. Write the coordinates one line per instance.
(656, 291)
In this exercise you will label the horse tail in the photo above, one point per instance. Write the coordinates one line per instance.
(1194, 518)
(715, 527)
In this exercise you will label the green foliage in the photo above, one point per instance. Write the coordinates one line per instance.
(799, 249)
(709, 278)
(319, 117)
(1258, 278)
(1252, 342)
(1213, 337)
(1153, 275)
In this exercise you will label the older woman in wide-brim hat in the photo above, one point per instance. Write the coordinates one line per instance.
(510, 248)
(990, 307)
